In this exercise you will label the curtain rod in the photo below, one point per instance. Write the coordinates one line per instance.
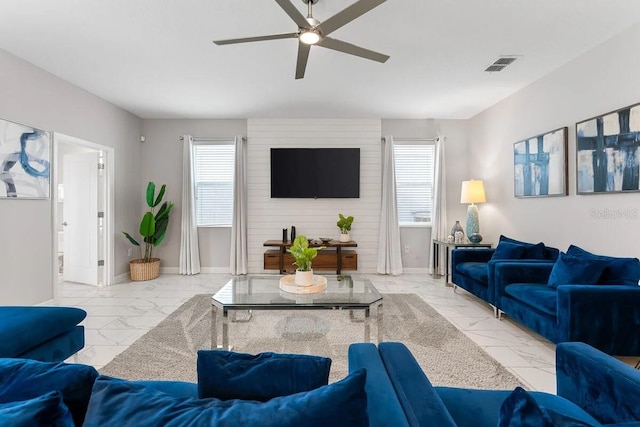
(198, 138)
(413, 139)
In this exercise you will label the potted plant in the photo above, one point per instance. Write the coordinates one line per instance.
(303, 255)
(344, 224)
(153, 229)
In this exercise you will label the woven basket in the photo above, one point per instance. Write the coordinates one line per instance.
(141, 270)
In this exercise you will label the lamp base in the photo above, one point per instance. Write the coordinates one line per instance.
(473, 224)
(475, 238)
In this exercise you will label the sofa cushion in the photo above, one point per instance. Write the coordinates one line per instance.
(570, 270)
(122, 403)
(520, 409)
(531, 250)
(540, 297)
(230, 375)
(507, 250)
(22, 379)
(481, 408)
(475, 270)
(47, 410)
(619, 271)
(22, 326)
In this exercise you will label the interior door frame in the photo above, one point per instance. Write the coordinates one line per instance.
(108, 226)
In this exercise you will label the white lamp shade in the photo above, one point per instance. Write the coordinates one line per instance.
(472, 192)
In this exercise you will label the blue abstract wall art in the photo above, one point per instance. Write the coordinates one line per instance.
(24, 161)
(608, 148)
(540, 165)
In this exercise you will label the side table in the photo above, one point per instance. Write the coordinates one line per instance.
(448, 246)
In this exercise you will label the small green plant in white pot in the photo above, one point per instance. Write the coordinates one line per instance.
(303, 256)
(344, 224)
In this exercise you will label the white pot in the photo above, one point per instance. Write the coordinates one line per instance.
(345, 237)
(304, 278)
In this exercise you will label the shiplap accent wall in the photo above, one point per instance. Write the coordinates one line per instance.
(313, 218)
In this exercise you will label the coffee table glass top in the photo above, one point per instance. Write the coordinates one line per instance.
(263, 291)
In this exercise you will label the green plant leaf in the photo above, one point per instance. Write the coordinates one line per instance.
(148, 225)
(164, 211)
(160, 195)
(131, 239)
(160, 238)
(151, 189)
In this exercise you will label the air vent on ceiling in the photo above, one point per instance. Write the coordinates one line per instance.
(500, 64)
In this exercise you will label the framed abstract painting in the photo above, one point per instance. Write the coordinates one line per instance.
(540, 165)
(25, 154)
(607, 149)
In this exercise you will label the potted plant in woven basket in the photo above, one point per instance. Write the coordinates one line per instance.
(153, 229)
(303, 255)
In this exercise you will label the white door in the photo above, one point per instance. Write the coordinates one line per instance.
(80, 218)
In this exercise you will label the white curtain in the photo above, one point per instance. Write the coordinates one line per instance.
(238, 256)
(389, 254)
(189, 252)
(439, 217)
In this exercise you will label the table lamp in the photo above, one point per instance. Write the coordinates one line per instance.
(472, 192)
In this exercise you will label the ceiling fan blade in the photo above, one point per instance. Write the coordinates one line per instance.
(256, 39)
(352, 49)
(293, 13)
(347, 15)
(303, 56)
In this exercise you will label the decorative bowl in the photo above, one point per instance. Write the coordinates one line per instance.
(325, 239)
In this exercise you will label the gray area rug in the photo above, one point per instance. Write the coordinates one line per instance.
(447, 356)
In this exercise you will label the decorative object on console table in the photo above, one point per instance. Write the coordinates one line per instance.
(607, 147)
(540, 165)
(473, 192)
(293, 233)
(303, 256)
(153, 229)
(344, 224)
(285, 236)
(456, 227)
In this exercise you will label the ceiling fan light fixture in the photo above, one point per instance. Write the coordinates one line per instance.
(309, 37)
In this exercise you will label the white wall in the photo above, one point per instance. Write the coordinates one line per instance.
(599, 81)
(162, 154)
(313, 218)
(36, 98)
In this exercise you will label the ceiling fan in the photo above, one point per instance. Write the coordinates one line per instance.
(313, 32)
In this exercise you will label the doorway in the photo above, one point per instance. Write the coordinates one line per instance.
(82, 212)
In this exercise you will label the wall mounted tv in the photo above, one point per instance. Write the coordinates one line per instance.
(315, 173)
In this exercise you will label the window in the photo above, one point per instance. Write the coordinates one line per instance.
(213, 167)
(414, 182)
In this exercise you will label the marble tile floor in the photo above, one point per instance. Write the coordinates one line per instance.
(120, 314)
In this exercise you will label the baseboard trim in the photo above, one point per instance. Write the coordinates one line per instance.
(415, 271)
(120, 278)
(203, 270)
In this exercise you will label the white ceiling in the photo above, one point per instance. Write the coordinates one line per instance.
(156, 59)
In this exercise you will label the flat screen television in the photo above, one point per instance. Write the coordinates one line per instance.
(315, 173)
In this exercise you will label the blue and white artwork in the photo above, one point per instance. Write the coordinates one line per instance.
(540, 165)
(608, 148)
(24, 161)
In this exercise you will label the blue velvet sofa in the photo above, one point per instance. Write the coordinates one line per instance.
(582, 297)
(385, 387)
(41, 333)
(474, 269)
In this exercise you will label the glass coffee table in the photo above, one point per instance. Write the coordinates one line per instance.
(247, 293)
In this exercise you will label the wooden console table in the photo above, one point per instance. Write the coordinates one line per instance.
(327, 259)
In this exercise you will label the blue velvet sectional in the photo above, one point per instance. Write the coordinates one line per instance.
(474, 269)
(385, 387)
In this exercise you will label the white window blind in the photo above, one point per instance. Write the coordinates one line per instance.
(213, 173)
(414, 182)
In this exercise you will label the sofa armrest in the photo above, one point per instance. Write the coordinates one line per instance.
(459, 256)
(518, 271)
(383, 406)
(605, 387)
(604, 316)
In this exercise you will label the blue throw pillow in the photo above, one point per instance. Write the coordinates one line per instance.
(22, 379)
(507, 250)
(521, 410)
(47, 410)
(569, 270)
(121, 403)
(230, 375)
(531, 250)
(619, 271)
